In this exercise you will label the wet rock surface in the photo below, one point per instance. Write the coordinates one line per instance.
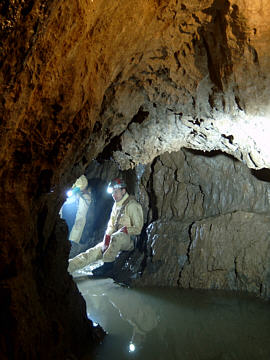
(128, 267)
(229, 252)
(210, 225)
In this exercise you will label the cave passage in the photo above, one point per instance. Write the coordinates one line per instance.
(157, 91)
(169, 323)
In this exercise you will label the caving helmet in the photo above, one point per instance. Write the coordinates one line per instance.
(116, 183)
(80, 185)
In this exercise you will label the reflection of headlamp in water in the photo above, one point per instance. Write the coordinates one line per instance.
(73, 191)
(136, 340)
(131, 347)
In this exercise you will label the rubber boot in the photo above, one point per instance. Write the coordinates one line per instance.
(106, 270)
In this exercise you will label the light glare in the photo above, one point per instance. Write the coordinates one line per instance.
(131, 347)
(69, 193)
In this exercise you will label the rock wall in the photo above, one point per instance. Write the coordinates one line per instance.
(42, 314)
(209, 223)
(229, 252)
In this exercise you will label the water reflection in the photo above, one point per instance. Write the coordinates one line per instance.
(175, 324)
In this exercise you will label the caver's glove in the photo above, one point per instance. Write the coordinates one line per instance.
(106, 242)
(124, 229)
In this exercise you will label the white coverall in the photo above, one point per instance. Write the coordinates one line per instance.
(80, 220)
(84, 203)
(131, 217)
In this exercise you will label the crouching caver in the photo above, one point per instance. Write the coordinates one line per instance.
(126, 220)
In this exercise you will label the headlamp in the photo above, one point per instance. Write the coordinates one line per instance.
(73, 191)
(117, 183)
(109, 189)
(69, 193)
(114, 187)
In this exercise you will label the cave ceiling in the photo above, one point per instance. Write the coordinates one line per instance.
(137, 78)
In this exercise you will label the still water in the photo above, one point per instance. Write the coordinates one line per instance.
(166, 323)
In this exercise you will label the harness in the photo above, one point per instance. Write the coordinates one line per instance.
(122, 210)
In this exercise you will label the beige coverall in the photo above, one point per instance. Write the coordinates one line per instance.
(80, 220)
(84, 203)
(131, 217)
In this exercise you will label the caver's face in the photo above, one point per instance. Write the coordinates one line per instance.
(118, 194)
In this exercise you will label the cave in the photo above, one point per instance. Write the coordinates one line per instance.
(172, 95)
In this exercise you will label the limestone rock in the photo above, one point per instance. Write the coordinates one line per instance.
(190, 195)
(167, 253)
(192, 185)
(229, 252)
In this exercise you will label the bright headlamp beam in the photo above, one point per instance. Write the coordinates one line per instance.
(69, 193)
(131, 347)
(109, 190)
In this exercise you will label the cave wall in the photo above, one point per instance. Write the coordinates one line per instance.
(78, 76)
(208, 223)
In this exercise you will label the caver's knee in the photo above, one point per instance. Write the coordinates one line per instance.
(97, 247)
(121, 241)
(120, 237)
